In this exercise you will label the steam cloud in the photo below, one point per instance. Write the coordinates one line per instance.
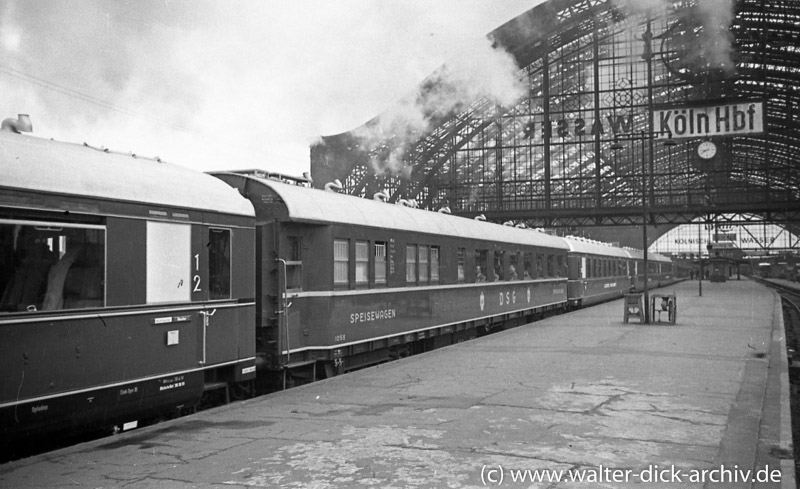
(713, 47)
(716, 39)
(125, 55)
(480, 72)
(483, 72)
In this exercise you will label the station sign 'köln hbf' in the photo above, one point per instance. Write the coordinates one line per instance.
(730, 119)
(696, 121)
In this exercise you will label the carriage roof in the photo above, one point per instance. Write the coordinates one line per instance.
(311, 205)
(41, 165)
(580, 245)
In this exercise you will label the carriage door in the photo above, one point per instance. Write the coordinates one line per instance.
(211, 281)
(583, 273)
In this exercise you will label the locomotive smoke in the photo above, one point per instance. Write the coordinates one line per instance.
(480, 73)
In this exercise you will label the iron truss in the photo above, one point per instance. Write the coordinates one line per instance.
(578, 149)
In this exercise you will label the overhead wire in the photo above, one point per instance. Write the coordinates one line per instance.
(20, 75)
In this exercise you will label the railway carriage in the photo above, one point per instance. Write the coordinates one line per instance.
(127, 286)
(665, 270)
(598, 272)
(130, 287)
(659, 269)
(346, 282)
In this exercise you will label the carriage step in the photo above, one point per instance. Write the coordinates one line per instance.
(210, 386)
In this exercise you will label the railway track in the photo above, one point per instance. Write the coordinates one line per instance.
(790, 299)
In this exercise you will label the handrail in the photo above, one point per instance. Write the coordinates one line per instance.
(205, 315)
(282, 315)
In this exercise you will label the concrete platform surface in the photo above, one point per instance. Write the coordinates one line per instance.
(621, 405)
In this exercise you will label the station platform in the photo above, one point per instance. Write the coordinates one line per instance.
(785, 283)
(701, 403)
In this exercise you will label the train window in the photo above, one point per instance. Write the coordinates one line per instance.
(481, 265)
(499, 273)
(295, 248)
(513, 266)
(540, 266)
(434, 263)
(294, 265)
(550, 266)
(362, 262)
(169, 263)
(411, 263)
(51, 266)
(423, 264)
(560, 265)
(341, 261)
(219, 263)
(461, 263)
(380, 263)
(528, 266)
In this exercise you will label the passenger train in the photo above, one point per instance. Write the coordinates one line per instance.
(131, 287)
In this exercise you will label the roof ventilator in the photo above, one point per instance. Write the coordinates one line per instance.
(18, 125)
(334, 186)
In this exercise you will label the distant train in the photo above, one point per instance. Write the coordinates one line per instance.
(131, 287)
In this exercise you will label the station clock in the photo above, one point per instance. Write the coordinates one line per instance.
(706, 150)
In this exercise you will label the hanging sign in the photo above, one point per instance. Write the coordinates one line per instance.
(730, 119)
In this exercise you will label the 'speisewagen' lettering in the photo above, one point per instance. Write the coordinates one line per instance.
(369, 316)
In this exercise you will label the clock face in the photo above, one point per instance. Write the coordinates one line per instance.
(706, 150)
